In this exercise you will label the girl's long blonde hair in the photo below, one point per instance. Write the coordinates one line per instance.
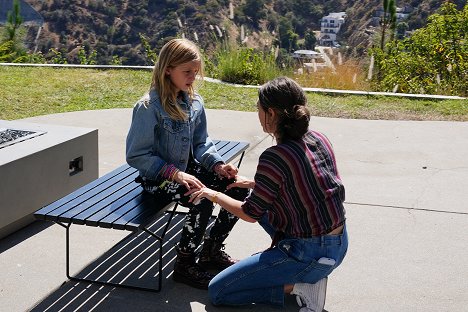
(174, 53)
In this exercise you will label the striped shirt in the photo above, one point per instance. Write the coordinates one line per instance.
(297, 184)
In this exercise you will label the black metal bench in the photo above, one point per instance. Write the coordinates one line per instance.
(116, 201)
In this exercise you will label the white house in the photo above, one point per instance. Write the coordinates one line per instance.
(401, 14)
(329, 26)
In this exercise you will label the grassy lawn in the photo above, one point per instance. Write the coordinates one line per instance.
(28, 91)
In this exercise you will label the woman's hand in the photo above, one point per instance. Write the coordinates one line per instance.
(198, 194)
(225, 170)
(242, 182)
(188, 180)
(230, 204)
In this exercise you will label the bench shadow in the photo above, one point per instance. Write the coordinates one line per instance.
(22, 234)
(134, 261)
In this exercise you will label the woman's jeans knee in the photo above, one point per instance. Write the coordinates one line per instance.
(261, 278)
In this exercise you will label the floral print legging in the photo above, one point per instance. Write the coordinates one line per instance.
(198, 216)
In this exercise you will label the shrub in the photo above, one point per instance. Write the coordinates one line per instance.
(433, 60)
(245, 66)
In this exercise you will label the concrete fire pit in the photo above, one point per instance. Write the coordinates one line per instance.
(39, 164)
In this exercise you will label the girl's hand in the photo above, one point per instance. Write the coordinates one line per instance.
(188, 180)
(225, 170)
(242, 182)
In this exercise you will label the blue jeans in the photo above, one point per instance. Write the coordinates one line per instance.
(261, 277)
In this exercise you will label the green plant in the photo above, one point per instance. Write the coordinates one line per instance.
(116, 60)
(433, 60)
(7, 54)
(57, 57)
(86, 59)
(14, 21)
(12, 47)
(245, 65)
(151, 54)
(32, 58)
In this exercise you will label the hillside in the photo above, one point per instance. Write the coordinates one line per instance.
(113, 27)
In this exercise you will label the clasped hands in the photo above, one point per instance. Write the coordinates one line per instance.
(197, 190)
(191, 182)
(198, 194)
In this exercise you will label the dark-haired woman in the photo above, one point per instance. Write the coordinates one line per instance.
(297, 197)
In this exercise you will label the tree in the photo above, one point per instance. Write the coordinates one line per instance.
(255, 9)
(310, 40)
(401, 28)
(287, 37)
(14, 21)
(11, 45)
(388, 19)
(434, 59)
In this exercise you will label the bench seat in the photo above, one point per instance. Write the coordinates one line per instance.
(116, 201)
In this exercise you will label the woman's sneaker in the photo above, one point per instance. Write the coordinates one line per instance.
(311, 297)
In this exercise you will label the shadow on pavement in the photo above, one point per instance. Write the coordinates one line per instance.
(23, 234)
(134, 261)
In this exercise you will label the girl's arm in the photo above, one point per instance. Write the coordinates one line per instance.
(204, 150)
(140, 140)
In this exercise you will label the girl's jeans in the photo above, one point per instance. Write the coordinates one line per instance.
(261, 277)
(196, 220)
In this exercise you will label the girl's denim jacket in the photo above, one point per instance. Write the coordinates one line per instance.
(155, 139)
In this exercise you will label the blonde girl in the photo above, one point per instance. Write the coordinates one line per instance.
(169, 144)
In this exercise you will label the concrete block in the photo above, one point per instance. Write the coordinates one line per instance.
(36, 172)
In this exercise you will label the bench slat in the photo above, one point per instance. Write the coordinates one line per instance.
(98, 194)
(77, 200)
(96, 218)
(229, 150)
(42, 213)
(147, 203)
(147, 214)
(108, 221)
(106, 203)
(76, 203)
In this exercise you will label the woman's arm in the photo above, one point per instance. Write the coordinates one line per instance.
(242, 182)
(230, 204)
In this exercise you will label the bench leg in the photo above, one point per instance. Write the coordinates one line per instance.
(159, 238)
(240, 159)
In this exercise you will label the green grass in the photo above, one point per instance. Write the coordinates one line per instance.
(33, 91)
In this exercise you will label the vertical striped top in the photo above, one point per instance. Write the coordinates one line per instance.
(298, 185)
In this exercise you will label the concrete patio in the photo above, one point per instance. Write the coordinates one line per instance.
(407, 216)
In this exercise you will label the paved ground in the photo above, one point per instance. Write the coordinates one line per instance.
(407, 211)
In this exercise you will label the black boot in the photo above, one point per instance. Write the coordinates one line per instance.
(187, 271)
(212, 256)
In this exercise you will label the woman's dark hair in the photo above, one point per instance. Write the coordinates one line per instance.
(288, 99)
